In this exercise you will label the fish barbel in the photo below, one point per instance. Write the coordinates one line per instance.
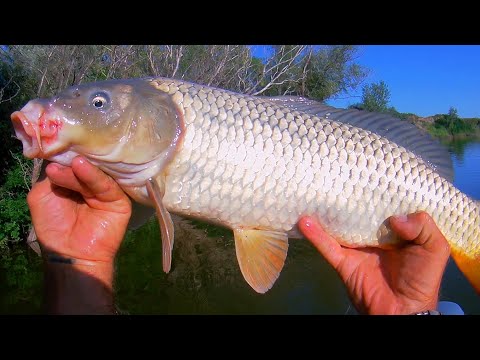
(255, 165)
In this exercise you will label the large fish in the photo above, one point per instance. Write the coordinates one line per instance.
(255, 165)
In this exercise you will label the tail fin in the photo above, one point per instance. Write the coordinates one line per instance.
(469, 261)
(469, 266)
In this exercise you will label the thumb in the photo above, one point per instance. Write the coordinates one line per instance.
(39, 192)
(421, 229)
(325, 244)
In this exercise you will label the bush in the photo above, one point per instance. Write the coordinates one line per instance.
(14, 213)
(453, 125)
(437, 131)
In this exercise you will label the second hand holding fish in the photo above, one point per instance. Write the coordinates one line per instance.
(383, 281)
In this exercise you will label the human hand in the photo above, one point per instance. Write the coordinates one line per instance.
(79, 212)
(395, 281)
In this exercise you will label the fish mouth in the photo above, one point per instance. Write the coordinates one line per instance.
(37, 132)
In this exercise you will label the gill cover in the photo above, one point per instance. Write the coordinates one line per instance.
(161, 127)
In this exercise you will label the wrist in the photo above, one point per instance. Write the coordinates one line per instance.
(443, 308)
(97, 269)
(427, 306)
(75, 287)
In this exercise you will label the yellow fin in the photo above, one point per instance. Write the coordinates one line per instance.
(469, 266)
(261, 255)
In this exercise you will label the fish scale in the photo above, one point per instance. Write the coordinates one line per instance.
(359, 153)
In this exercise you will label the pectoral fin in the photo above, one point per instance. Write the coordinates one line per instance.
(261, 255)
(156, 192)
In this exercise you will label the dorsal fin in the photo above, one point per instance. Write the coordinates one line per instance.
(401, 132)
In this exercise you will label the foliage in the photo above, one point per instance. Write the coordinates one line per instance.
(15, 91)
(375, 98)
(14, 214)
(20, 282)
(331, 70)
(452, 124)
(437, 131)
(403, 116)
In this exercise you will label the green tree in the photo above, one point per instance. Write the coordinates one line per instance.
(331, 70)
(376, 97)
(453, 124)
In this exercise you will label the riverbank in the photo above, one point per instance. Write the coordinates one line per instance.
(457, 137)
(442, 133)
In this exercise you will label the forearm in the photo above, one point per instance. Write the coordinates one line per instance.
(79, 289)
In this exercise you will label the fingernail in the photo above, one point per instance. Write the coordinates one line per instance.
(401, 218)
(81, 160)
(55, 166)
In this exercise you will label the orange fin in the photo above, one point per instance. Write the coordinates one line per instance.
(261, 255)
(469, 266)
(156, 192)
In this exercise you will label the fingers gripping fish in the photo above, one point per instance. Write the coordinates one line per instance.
(254, 165)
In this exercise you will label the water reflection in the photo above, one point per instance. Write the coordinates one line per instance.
(457, 147)
(466, 164)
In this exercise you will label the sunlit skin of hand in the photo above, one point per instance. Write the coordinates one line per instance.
(79, 213)
(398, 281)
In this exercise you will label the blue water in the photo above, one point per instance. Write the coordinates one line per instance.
(467, 169)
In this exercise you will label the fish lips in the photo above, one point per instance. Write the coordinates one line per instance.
(37, 136)
(27, 134)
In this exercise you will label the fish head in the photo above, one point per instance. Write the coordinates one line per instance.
(116, 121)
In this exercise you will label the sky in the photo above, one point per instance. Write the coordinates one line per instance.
(422, 79)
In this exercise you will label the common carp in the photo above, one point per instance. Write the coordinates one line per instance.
(255, 165)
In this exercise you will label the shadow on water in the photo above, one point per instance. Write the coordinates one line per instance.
(206, 279)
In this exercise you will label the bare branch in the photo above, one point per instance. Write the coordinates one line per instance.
(25, 167)
(44, 74)
(2, 90)
(278, 65)
(85, 71)
(305, 70)
(178, 57)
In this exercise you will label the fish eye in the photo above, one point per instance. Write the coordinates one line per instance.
(99, 101)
